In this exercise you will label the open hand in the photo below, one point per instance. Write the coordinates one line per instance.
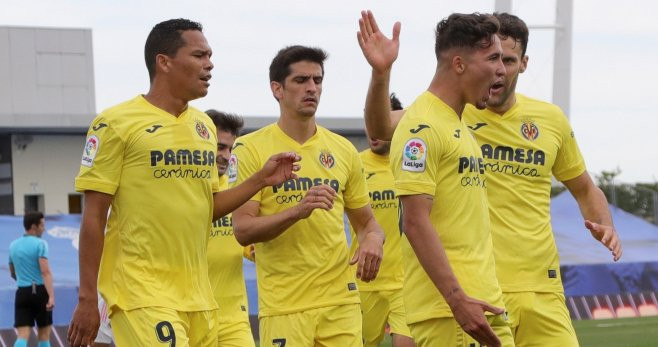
(279, 168)
(379, 51)
(607, 235)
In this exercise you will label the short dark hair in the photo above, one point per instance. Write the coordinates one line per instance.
(165, 38)
(460, 30)
(32, 218)
(226, 121)
(280, 66)
(395, 103)
(514, 27)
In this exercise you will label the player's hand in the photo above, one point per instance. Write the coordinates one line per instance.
(469, 313)
(369, 255)
(50, 304)
(84, 324)
(321, 196)
(279, 168)
(379, 50)
(607, 235)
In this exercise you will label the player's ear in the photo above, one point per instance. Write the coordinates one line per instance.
(162, 63)
(277, 90)
(458, 64)
(524, 63)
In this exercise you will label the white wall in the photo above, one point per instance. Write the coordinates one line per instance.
(46, 77)
(48, 165)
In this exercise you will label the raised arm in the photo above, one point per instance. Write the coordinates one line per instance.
(594, 209)
(250, 227)
(380, 52)
(86, 318)
(427, 245)
(279, 168)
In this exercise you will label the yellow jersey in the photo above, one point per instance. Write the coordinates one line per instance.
(521, 149)
(160, 170)
(433, 153)
(225, 268)
(384, 206)
(306, 266)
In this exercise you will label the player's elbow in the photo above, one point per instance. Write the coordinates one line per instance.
(242, 239)
(241, 235)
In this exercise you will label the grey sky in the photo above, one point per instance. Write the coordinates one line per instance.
(614, 72)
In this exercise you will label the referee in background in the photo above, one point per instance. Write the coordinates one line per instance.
(28, 265)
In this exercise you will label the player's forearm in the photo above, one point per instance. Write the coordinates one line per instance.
(594, 206)
(431, 255)
(249, 229)
(370, 228)
(378, 106)
(228, 200)
(90, 248)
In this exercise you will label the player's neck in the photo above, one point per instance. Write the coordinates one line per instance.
(447, 89)
(298, 128)
(382, 156)
(163, 99)
(505, 106)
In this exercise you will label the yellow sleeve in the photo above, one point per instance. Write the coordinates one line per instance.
(243, 164)
(417, 159)
(569, 162)
(356, 189)
(102, 159)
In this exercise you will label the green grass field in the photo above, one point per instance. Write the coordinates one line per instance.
(624, 332)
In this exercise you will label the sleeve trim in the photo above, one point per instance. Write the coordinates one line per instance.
(84, 184)
(571, 173)
(414, 188)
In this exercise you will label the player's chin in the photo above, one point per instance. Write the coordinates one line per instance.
(308, 111)
(480, 105)
(201, 91)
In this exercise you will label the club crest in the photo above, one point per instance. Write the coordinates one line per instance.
(529, 130)
(202, 130)
(326, 159)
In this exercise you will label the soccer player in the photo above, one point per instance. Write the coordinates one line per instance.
(439, 178)
(524, 141)
(224, 251)
(152, 159)
(35, 298)
(307, 291)
(381, 299)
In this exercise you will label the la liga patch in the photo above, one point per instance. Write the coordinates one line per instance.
(414, 155)
(91, 149)
(232, 170)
